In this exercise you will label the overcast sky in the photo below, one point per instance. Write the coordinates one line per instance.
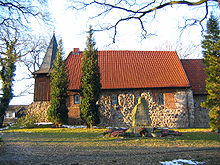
(71, 26)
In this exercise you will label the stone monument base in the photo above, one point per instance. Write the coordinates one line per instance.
(135, 132)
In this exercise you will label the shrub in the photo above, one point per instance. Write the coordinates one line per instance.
(27, 121)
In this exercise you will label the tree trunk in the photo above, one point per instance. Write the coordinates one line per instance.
(2, 120)
(3, 109)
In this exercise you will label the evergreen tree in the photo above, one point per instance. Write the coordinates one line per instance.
(211, 46)
(58, 111)
(90, 84)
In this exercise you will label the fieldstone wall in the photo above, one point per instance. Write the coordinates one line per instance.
(39, 110)
(185, 108)
(180, 109)
(177, 111)
(201, 114)
(117, 114)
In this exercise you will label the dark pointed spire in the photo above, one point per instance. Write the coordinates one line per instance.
(49, 56)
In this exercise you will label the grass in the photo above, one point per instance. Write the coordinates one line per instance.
(190, 137)
(194, 143)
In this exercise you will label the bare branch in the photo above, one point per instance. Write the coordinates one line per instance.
(26, 91)
(35, 46)
(19, 12)
(134, 11)
(176, 3)
(192, 22)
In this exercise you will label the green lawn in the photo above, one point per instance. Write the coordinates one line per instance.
(190, 138)
(198, 144)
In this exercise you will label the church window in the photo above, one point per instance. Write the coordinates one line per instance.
(160, 98)
(114, 99)
(76, 99)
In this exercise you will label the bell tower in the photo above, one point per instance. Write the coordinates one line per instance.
(42, 79)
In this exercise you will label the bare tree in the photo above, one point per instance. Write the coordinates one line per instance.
(19, 12)
(15, 16)
(35, 50)
(16, 48)
(141, 11)
(183, 50)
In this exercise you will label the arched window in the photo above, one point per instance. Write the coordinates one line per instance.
(76, 99)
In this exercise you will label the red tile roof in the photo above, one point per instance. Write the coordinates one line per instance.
(195, 72)
(132, 69)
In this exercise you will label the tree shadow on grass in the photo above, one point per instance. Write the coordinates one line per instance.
(89, 146)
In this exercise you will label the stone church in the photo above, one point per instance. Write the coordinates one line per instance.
(173, 88)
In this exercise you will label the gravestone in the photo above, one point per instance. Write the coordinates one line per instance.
(140, 116)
